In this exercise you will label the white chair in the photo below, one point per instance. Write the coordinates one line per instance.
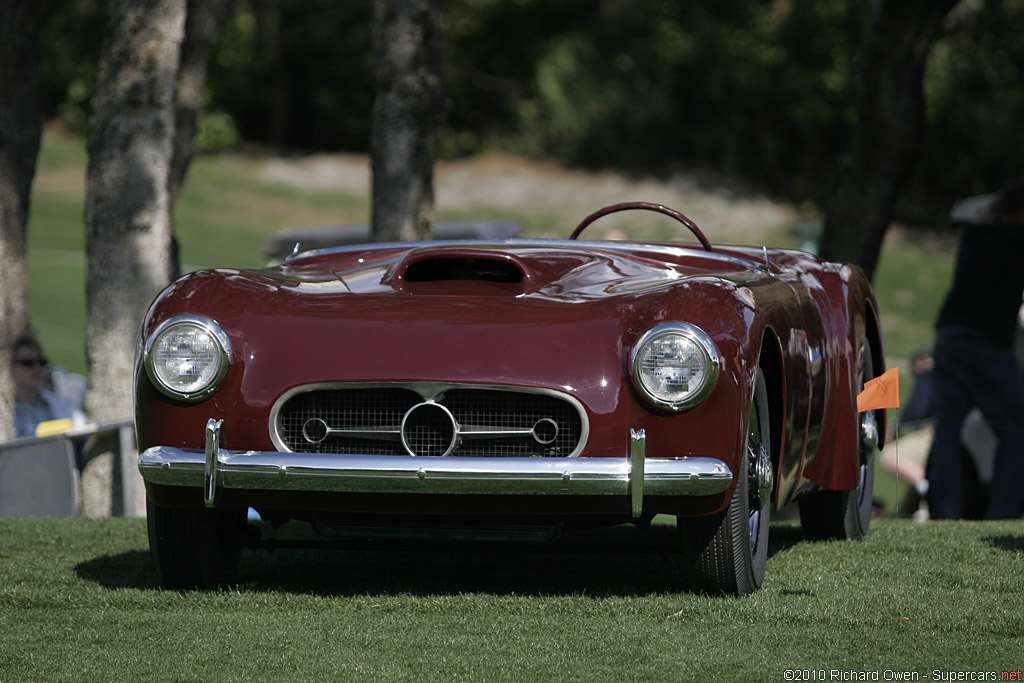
(38, 478)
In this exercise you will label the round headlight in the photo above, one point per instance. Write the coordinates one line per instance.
(675, 366)
(187, 356)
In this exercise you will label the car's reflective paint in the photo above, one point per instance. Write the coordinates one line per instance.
(569, 323)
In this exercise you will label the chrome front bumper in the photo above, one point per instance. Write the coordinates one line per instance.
(634, 476)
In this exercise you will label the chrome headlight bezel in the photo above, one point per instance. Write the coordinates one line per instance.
(708, 356)
(216, 336)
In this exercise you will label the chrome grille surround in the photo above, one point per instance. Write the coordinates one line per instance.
(429, 418)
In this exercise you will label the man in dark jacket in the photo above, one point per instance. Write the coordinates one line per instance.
(975, 365)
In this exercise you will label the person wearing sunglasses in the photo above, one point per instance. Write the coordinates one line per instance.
(34, 402)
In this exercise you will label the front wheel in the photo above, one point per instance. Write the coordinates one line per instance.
(827, 515)
(726, 553)
(195, 547)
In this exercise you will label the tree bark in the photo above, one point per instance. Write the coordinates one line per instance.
(203, 25)
(406, 116)
(269, 21)
(20, 131)
(128, 207)
(889, 132)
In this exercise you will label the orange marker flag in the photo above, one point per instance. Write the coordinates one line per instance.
(881, 392)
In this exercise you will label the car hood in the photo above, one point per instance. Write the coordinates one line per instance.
(504, 291)
(539, 312)
(559, 270)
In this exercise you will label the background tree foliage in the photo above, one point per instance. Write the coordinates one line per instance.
(890, 131)
(762, 90)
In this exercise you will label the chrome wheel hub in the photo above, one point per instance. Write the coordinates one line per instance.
(761, 480)
(869, 437)
(760, 483)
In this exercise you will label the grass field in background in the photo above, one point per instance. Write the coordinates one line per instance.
(78, 602)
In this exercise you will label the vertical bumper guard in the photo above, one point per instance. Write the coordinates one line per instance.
(637, 453)
(212, 460)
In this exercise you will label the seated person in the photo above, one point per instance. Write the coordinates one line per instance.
(34, 403)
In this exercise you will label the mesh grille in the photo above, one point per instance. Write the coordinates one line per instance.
(375, 410)
(509, 410)
(368, 421)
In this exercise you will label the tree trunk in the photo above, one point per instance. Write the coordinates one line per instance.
(889, 132)
(206, 19)
(203, 26)
(406, 116)
(128, 209)
(20, 130)
(269, 20)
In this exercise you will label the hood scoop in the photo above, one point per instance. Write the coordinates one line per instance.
(449, 268)
(465, 271)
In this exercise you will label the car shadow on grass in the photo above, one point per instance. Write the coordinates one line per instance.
(1008, 542)
(617, 561)
(133, 569)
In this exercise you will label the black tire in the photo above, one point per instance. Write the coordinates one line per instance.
(839, 515)
(726, 553)
(195, 547)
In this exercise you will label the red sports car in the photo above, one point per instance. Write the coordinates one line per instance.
(509, 390)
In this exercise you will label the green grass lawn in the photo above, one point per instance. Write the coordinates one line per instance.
(78, 601)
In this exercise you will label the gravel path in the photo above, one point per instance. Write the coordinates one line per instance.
(507, 184)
